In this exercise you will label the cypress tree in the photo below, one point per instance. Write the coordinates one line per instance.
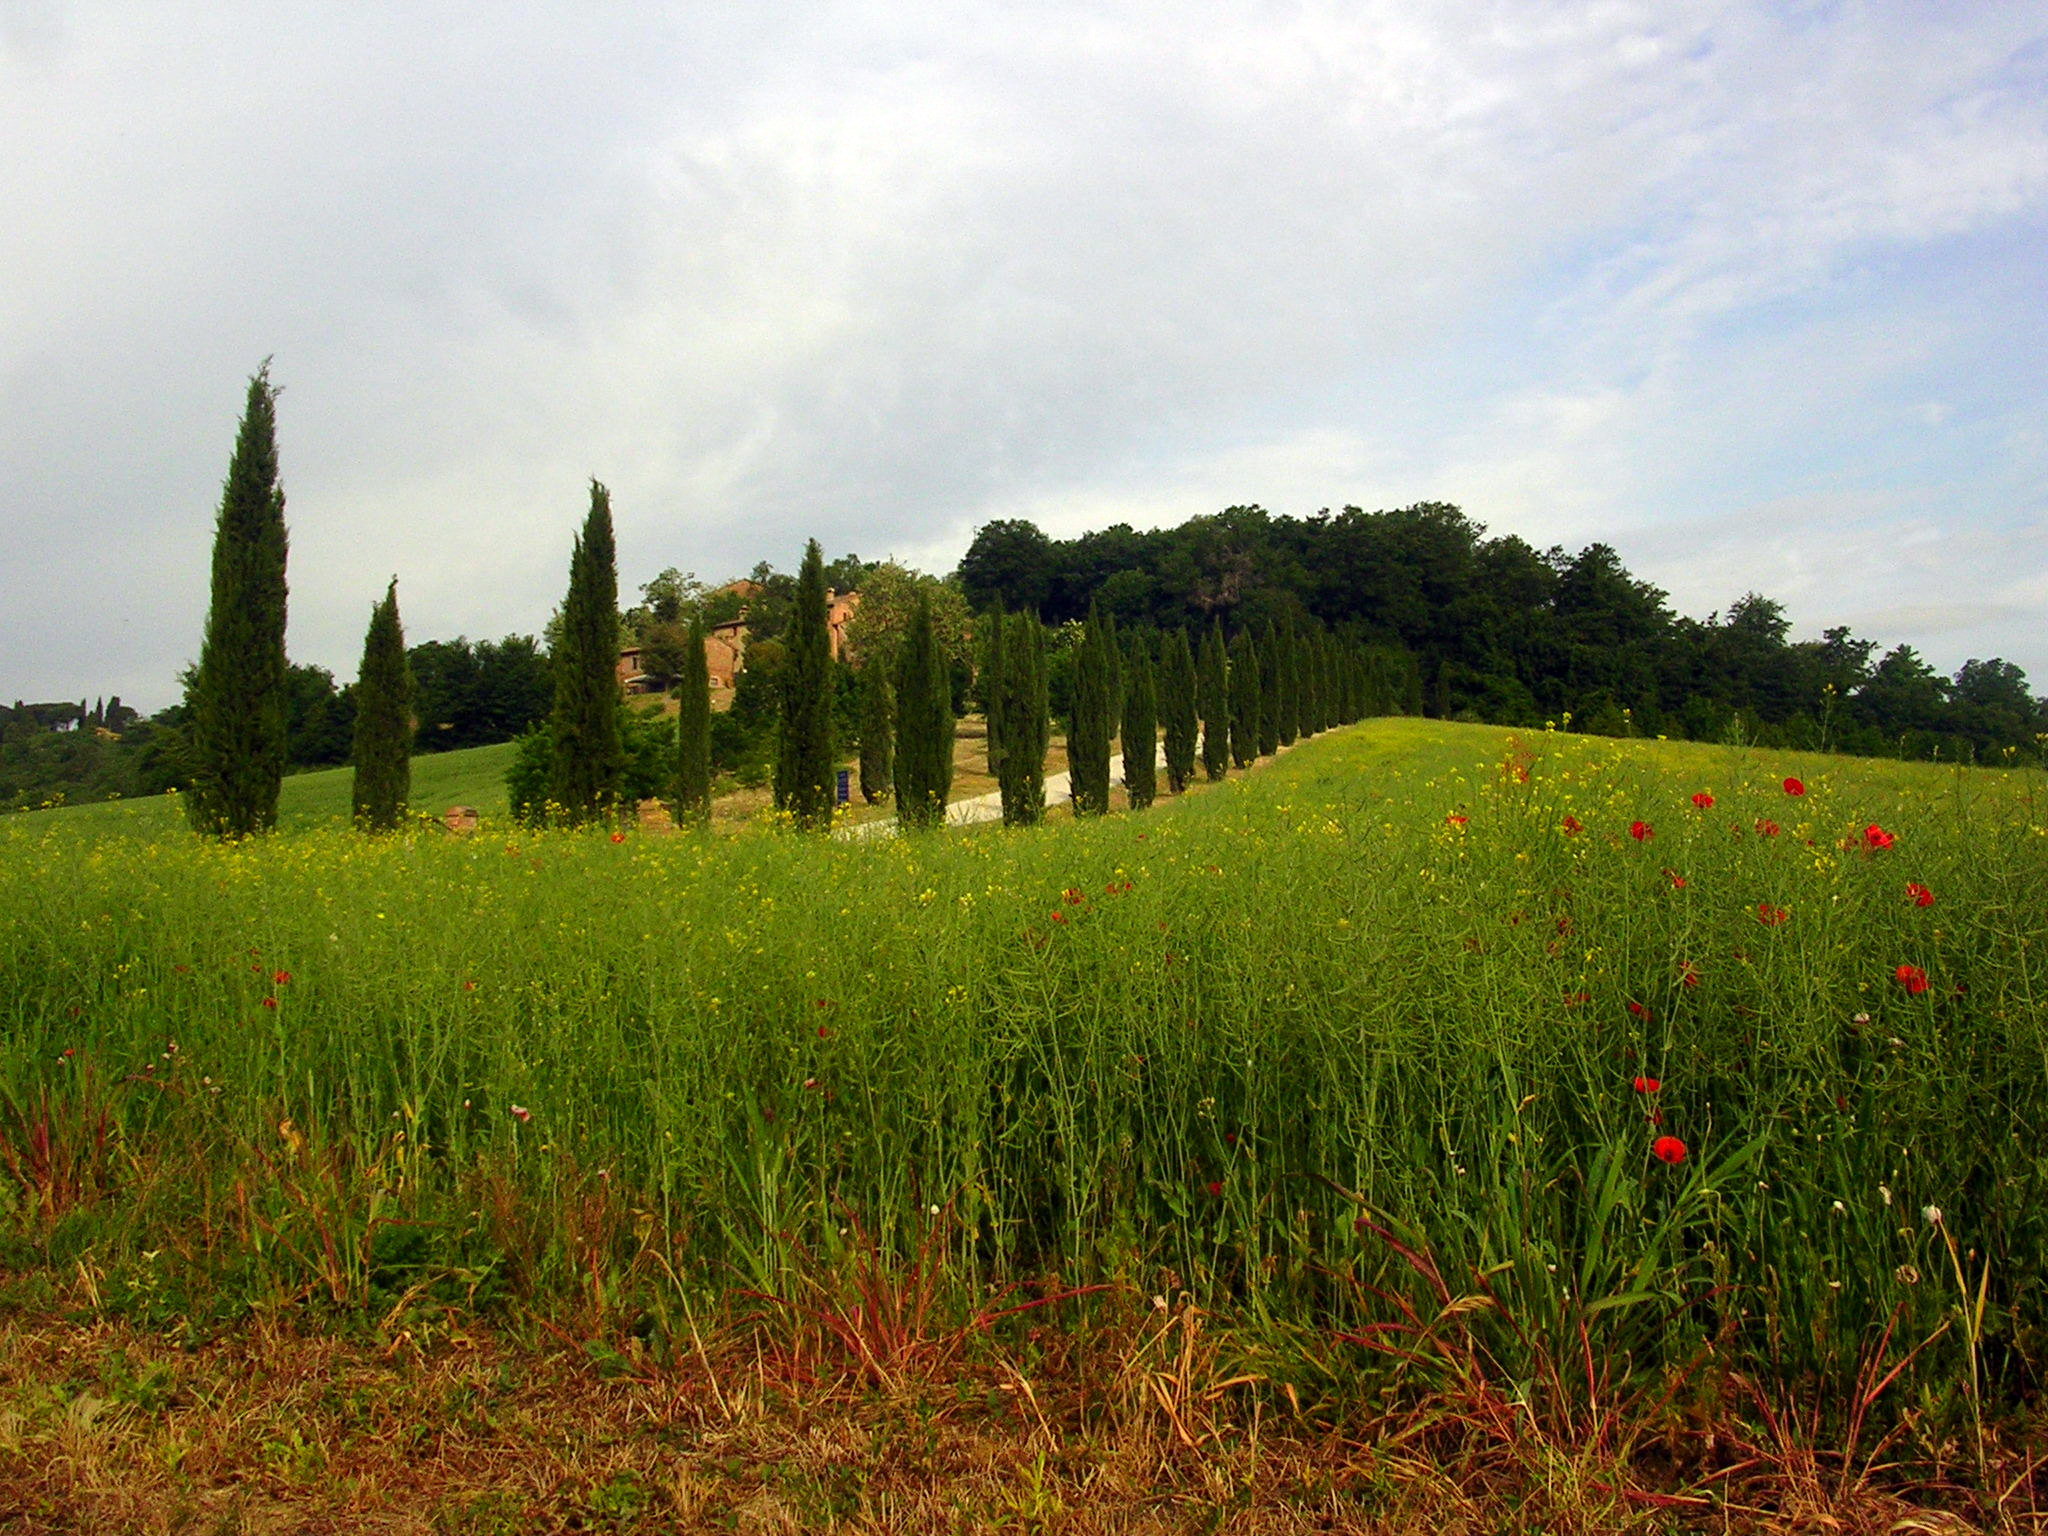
(992, 686)
(1245, 708)
(1088, 731)
(1269, 690)
(693, 730)
(924, 725)
(1212, 701)
(384, 724)
(1177, 708)
(1025, 725)
(1140, 727)
(586, 758)
(803, 758)
(877, 732)
(237, 697)
(1290, 680)
(1310, 672)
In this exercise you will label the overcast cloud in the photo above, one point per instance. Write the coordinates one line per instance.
(1755, 295)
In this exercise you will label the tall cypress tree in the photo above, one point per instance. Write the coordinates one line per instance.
(924, 725)
(1177, 708)
(877, 732)
(1140, 726)
(1269, 690)
(586, 759)
(1290, 680)
(803, 758)
(1311, 683)
(1212, 701)
(1092, 720)
(384, 724)
(693, 730)
(1245, 708)
(991, 686)
(236, 737)
(1026, 727)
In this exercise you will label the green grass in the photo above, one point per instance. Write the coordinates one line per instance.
(1346, 1048)
(474, 776)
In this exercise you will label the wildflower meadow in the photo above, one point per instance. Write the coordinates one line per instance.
(1552, 1076)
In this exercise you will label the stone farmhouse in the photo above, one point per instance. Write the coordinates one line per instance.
(725, 645)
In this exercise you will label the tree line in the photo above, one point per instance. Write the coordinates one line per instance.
(1502, 632)
(1435, 617)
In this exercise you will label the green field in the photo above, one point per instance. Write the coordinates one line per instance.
(1355, 1051)
(474, 776)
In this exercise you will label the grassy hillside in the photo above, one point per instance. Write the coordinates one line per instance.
(474, 776)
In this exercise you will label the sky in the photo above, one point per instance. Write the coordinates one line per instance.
(1755, 293)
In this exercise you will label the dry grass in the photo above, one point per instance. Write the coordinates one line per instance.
(1139, 1424)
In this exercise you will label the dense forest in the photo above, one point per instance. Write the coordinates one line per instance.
(1475, 628)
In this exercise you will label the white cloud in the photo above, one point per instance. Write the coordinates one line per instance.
(1603, 271)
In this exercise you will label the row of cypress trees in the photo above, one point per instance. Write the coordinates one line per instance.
(1240, 702)
(1262, 693)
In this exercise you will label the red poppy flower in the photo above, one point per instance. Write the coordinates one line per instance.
(1687, 976)
(618, 837)
(282, 977)
(271, 1002)
(521, 1113)
(1058, 916)
(1640, 831)
(1640, 1011)
(1072, 896)
(1922, 897)
(824, 1033)
(1766, 828)
(1703, 801)
(1912, 978)
(1668, 1149)
(1215, 1189)
(1875, 836)
(1573, 826)
(1769, 915)
(1794, 787)
(1455, 819)
(1677, 880)
(1647, 1085)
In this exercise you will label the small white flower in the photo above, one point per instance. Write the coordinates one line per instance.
(935, 1210)
(1841, 1209)
(1931, 1214)
(1886, 1191)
